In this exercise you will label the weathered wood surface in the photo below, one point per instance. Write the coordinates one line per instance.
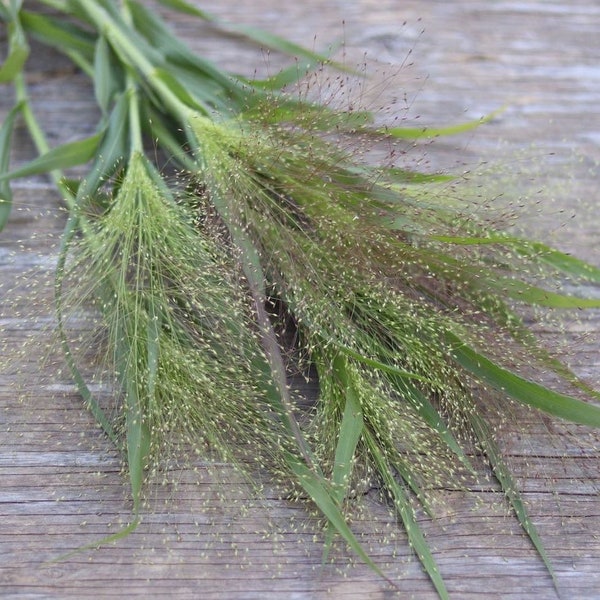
(60, 480)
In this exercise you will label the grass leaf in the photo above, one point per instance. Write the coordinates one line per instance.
(413, 133)
(350, 429)
(106, 75)
(62, 157)
(350, 433)
(5, 139)
(18, 48)
(288, 76)
(534, 295)
(391, 369)
(59, 34)
(325, 500)
(430, 416)
(179, 90)
(406, 513)
(109, 153)
(523, 390)
(509, 486)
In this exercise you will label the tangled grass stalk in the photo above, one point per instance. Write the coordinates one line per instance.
(396, 295)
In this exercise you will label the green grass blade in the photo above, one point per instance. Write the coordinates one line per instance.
(187, 9)
(555, 258)
(287, 76)
(132, 375)
(350, 429)
(509, 487)
(18, 48)
(406, 513)
(275, 42)
(470, 240)
(371, 362)
(181, 91)
(430, 416)
(109, 154)
(401, 176)
(59, 158)
(138, 444)
(523, 390)
(531, 294)
(350, 433)
(58, 33)
(559, 260)
(324, 498)
(400, 379)
(107, 80)
(413, 133)
(315, 117)
(109, 539)
(5, 137)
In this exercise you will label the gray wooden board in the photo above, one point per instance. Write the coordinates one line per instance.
(204, 535)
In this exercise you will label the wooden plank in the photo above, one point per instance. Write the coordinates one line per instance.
(204, 534)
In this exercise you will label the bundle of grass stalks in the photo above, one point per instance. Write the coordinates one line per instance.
(277, 237)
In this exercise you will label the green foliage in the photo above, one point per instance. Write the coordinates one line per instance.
(392, 289)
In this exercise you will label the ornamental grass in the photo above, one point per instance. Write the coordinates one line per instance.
(275, 246)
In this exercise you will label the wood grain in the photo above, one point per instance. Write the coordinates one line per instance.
(204, 533)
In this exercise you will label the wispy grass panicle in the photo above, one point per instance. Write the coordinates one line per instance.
(189, 371)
